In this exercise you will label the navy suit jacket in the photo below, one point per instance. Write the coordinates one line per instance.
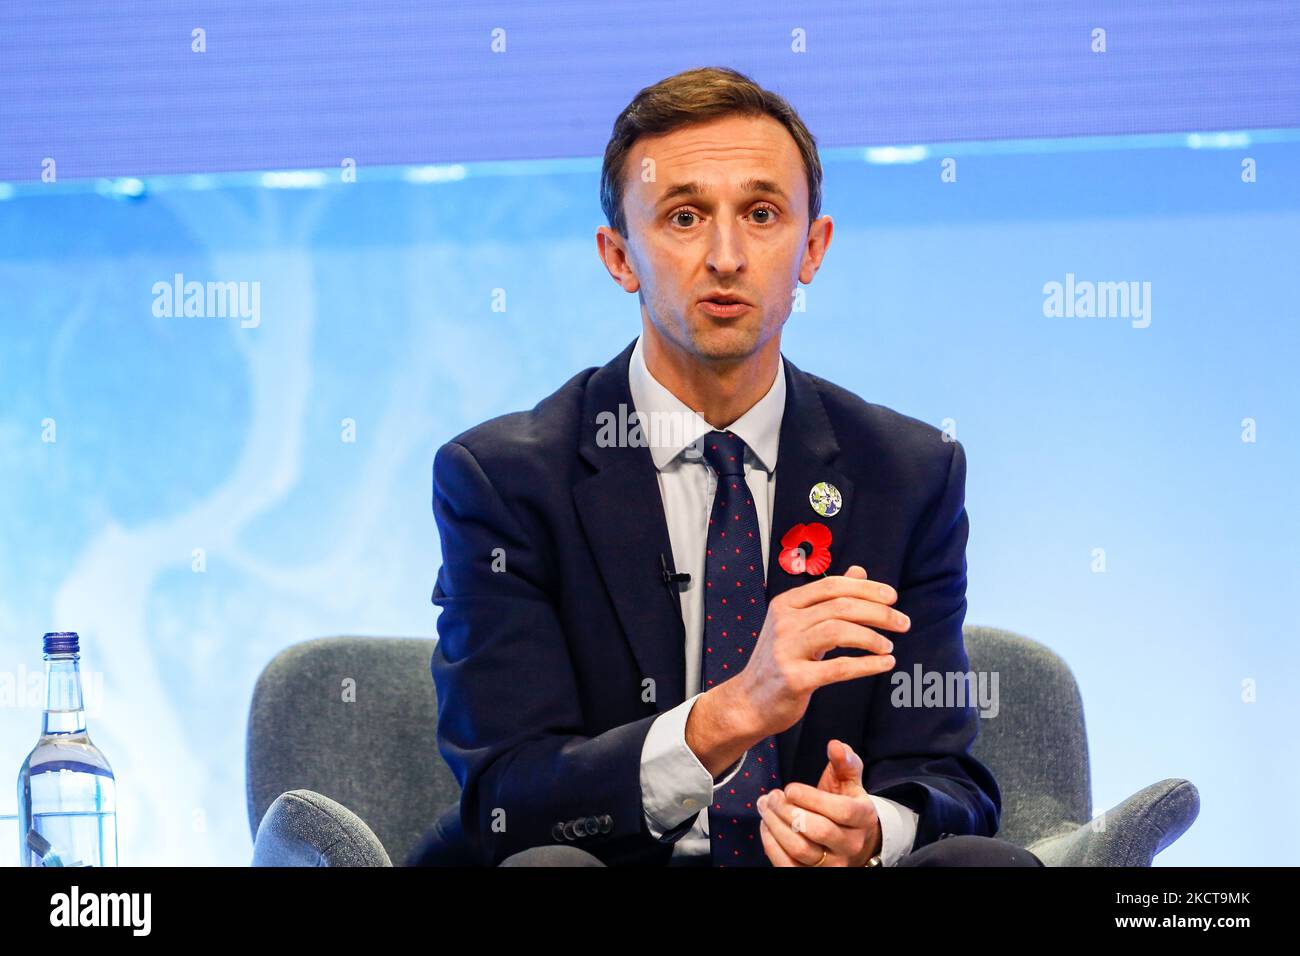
(555, 617)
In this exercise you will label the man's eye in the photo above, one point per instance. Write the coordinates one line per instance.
(767, 212)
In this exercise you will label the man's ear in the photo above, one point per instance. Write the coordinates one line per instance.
(612, 249)
(819, 241)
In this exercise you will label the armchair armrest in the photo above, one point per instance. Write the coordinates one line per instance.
(304, 828)
(1129, 834)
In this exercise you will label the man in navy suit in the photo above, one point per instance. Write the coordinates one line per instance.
(673, 592)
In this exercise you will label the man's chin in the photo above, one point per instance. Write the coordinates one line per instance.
(724, 343)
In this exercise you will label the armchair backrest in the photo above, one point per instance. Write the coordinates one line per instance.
(1037, 744)
(353, 719)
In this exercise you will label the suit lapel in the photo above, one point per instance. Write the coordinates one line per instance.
(806, 449)
(622, 512)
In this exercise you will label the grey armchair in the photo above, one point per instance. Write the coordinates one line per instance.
(341, 731)
(1037, 748)
(343, 769)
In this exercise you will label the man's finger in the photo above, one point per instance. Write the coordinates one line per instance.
(839, 585)
(774, 852)
(847, 764)
(823, 636)
(857, 610)
(843, 810)
(848, 667)
(799, 832)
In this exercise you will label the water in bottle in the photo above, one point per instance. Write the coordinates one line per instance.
(67, 797)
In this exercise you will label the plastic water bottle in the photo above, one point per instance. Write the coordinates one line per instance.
(67, 797)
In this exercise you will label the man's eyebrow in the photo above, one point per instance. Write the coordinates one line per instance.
(694, 189)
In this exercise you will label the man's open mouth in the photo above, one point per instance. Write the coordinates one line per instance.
(724, 306)
(724, 309)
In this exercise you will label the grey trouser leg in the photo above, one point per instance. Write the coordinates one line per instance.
(552, 856)
(968, 850)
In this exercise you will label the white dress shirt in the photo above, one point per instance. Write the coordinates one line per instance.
(675, 786)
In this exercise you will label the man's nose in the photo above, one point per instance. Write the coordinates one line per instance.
(726, 247)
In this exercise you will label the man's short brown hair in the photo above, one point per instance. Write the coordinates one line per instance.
(697, 96)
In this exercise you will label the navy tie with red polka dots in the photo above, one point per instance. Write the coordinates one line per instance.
(735, 603)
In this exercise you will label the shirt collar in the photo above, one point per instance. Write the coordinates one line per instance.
(759, 428)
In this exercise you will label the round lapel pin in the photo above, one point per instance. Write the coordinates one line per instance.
(825, 499)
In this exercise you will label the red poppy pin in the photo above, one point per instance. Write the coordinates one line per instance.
(806, 549)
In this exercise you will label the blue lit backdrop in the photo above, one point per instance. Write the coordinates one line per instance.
(176, 434)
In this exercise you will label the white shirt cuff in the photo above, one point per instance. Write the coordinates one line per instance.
(675, 786)
(897, 829)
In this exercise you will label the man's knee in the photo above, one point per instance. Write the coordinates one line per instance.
(552, 856)
(968, 850)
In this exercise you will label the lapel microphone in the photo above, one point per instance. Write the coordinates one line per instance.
(674, 576)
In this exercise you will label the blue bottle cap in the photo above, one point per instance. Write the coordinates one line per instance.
(62, 642)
